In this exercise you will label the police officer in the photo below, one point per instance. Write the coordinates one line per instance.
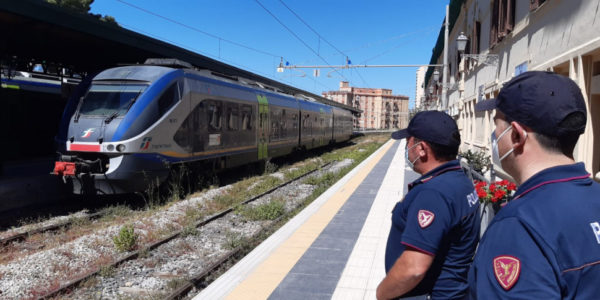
(545, 244)
(435, 229)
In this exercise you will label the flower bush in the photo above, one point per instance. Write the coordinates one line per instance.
(497, 192)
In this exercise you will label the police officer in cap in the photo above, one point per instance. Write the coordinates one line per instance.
(435, 229)
(545, 244)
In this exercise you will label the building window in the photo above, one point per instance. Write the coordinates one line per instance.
(503, 20)
(534, 4)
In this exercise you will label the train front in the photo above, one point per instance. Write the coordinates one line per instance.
(107, 143)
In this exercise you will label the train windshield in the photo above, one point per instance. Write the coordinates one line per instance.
(110, 99)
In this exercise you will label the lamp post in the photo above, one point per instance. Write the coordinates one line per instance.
(461, 45)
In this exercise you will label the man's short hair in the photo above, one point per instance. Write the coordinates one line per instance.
(564, 144)
(442, 152)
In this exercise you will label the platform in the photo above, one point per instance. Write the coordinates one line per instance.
(333, 249)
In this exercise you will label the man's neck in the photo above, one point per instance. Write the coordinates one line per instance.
(540, 162)
(429, 166)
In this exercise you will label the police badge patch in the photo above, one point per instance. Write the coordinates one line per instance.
(425, 218)
(507, 270)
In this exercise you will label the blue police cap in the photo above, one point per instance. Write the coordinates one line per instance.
(431, 126)
(541, 101)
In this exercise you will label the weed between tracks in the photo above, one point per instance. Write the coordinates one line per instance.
(235, 194)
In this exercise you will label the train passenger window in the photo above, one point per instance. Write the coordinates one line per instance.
(214, 116)
(295, 121)
(167, 99)
(306, 122)
(232, 117)
(246, 117)
(283, 124)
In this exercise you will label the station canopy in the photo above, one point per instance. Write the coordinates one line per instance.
(39, 32)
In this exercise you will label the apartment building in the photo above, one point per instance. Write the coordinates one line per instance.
(381, 109)
(506, 38)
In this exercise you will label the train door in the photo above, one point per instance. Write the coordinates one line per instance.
(263, 126)
(321, 127)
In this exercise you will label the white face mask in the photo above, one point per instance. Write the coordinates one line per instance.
(411, 164)
(496, 159)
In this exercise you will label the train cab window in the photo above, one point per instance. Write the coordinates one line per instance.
(232, 117)
(168, 99)
(110, 99)
(246, 117)
(214, 111)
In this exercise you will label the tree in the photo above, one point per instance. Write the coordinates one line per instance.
(82, 6)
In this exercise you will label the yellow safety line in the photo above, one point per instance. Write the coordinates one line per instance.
(267, 276)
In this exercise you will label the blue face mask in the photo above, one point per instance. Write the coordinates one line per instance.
(411, 164)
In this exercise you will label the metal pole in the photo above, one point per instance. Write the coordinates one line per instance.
(445, 79)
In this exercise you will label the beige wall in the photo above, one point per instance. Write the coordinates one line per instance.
(562, 36)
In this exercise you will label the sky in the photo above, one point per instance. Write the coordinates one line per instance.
(255, 35)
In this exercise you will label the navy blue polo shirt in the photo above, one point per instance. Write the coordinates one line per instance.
(439, 216)
(545, 244)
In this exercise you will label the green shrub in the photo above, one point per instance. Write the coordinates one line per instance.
(233, 240)
(126, 240)
(478, 160)
(267, 211)
(189, 230)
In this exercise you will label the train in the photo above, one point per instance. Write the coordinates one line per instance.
(133, 124)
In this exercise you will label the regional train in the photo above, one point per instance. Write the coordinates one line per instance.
(133, 124)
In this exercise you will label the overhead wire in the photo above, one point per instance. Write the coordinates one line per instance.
(197, 30)
(297, 37)
(320, 37)
(197, 50)
(210, 35)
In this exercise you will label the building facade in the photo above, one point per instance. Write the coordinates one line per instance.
(420, 86)
(508, 37)
(381, 109)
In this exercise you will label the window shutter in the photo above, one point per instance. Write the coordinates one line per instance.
(510, 16)
(475, 38)
(494, 24)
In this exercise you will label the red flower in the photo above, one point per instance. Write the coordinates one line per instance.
(482, 194)
(511, 186)
(499, 193)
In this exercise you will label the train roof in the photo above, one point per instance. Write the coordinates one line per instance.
(137, 73)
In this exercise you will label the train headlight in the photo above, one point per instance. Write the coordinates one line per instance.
(120, 147)
(110, 147)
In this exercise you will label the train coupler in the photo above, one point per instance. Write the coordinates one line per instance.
(63, 168)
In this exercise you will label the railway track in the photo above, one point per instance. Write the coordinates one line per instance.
(21, 236)
(190, 282)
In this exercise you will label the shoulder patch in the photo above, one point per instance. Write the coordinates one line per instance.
(425, 218)
(507, 270)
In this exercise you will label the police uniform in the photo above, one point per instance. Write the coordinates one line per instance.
(439, 216)
(545, 244)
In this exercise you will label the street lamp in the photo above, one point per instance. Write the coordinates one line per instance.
(280, 67)
(436, 75)
(461, 42)
(486, 59)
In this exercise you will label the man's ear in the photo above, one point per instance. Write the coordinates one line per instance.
(423, 148)
(518, 134)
